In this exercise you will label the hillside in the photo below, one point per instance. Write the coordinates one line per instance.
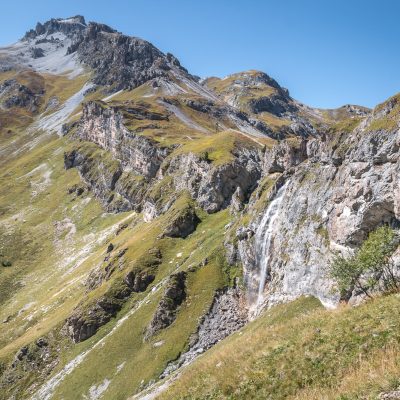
(147, 215)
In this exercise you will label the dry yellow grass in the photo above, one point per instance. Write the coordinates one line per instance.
(379, 371)
(301, 351)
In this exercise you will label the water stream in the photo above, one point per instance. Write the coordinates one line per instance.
(263, 240)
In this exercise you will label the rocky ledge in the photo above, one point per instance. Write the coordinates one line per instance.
(174, 295)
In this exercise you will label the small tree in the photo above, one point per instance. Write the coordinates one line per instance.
(371, 268)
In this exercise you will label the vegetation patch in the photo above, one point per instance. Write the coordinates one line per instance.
(217, 148)
(371, 269)
(299, 350)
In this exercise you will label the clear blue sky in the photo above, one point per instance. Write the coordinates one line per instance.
(327, 53)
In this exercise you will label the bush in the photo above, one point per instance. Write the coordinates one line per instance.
(371, 268)
(204, 156)
(6, 263)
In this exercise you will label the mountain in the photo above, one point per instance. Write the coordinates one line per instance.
(147, 215)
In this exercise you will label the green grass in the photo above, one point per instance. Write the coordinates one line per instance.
(380, 124)
(300, 350)
(32, 243)
(390, 121)
(217, 148)
(33, 200)
(346, 125)
(126, 344)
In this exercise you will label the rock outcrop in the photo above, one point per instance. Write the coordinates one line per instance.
(182, 223)
(174, 295)
(71, 27)
(120, 61)
(227, 314)
(100, 175)
(89, 316)
(42, 354)
(278, 104)
(213, 186)
(86, 319)
(14, 94)
(85, 322)
(284, 155)
(104, 126)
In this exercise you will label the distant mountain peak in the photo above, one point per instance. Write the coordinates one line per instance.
(68, 26)
(70, 45)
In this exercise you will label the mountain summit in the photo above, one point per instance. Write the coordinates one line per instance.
(148, 215)
(70, 27)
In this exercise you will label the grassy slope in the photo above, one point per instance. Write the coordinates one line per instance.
(218, 147)
(51, 286)
(228, 89)
(52, 250)
(44, 244)
(139, 360)
(50, 264)
(46, 233)
(302, 351)
(390, 120)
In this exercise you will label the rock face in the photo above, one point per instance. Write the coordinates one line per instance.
(339, 190)
(278, 104)
(138, 281)
(14, 94)
(86, 319)
(120, 186)
(227, 314)
(284, 156)
(212, 187)
(183, 223)
(120, 61)
(71, 27)
(174, 295)
(104, 126)
(84, 323)
(120, 176)
(100, 177)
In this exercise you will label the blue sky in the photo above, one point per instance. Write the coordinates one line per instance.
(327, 53)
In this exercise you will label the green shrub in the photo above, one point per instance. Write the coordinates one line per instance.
(205, 156)
(6, 263)
(371, 268)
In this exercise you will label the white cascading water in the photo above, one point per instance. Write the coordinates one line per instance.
(263, 239)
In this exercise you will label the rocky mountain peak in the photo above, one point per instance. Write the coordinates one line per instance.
(68, 45)
(256, 78)
(68, 26)
(120, 61)
(254, 91)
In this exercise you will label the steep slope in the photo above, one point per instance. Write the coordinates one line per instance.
(130, 196)
(340, 187)
(301, 351)
(65, 275)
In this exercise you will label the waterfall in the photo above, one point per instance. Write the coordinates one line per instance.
(263, 239)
